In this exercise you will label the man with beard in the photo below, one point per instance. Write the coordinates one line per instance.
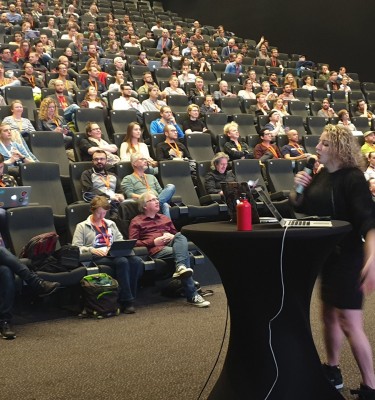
(98, 181)
(326, 111)
(64, 102)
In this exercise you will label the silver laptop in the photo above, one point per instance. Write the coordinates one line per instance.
(122, 248)
(288, 222)
(15, 196)
(153, 64)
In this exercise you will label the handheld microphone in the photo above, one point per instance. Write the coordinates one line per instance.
(308, 169)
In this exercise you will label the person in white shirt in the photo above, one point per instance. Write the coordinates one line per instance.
(173, 87)
(153, 103)
(186, 75)
(125, 101)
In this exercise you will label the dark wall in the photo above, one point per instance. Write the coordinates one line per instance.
(329, 31)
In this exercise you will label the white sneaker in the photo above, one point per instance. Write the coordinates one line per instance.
(198, 301)
(183, 272)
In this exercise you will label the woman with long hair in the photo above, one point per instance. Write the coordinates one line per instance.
(92, 100)
(247, 91)
(341, 191)
(21, 54)
(50, 120)
(133, 143)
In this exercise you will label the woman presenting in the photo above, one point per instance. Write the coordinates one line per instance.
(340, 190)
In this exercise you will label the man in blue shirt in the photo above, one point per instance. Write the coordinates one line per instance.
(166, 118)
(236, 67)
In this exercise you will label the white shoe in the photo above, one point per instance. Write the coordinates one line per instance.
(183, 272)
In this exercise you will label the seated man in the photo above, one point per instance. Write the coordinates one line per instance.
(95, 235)
(363, 111)
(293, 150)
(369, 144)
(261, 107)
(287, 93)
(148, 83)
(66, 103)
(166, 118)
(274, 125)
(10, 265)
(209, 106)
(171, 148)
(223, 91)
(153, 103)
(326, 111)
(97, 181)
(63, 76)
(29, 79)
(173, 88)
(93, 81)
(134, 185)
(158, 234)
(266, 150)
(236, 147)
(127, 102)
(236, 67)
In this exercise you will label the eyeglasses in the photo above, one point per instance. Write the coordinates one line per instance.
(154, 200)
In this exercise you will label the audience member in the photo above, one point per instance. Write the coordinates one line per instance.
(171, 148)
(137, 183)
(186, 75)
(293, 150)
(93, 80)
(287, 93)
(236, 67)
(289, 78)
(92, 99)
(50, 120)
(164, 43)
(267, 91)
(326, 111)
(166, 118)
(235, 146)
(94, 142)
(6, 59)
(219, 173)
(193, 123)
(308, 83)
(230, 48)
(99, 181)
(370, 170)
(95, 236)
(266, 149)
(279, 106)
(324, 73)
(173, 87)
(261, 107)
(274, 61)
(332, 83)
(369, 144)
(209, 106)
(10, 266)
(127, 102)
(63, 76)
(148, 82)
(344, 119)
(223, 91)
(158, 234)
(133, 143)
(363, 111)
(17, 123)
(274, 125)
(153, 103)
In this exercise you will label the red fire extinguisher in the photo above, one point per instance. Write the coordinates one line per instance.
(244, 222)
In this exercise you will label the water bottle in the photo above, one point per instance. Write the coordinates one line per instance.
(244, 222)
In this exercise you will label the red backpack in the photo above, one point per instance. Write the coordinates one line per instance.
(40, 246)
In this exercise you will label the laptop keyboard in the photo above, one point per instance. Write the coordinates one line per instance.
(298, 223)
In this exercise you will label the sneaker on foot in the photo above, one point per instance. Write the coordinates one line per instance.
(333, 374)
(6, 331)
(364, 392)
(198, 301)
(183, 272)
(45, 288)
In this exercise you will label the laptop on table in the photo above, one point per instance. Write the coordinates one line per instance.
(289, 222)
(14, 196)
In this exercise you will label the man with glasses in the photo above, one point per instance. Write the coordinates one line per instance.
(137, 183)
(126, 101)
(6, 59)
(266, 150)
(159, 235)
(98, 181)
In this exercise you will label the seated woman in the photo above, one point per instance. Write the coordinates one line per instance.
(219, 173)
(289, 78)
(308, 83)
(236, 147)
(22, 126)
(344, 120)
(14, 153)
(50, 120)
(113, 47)
(92, 100)
(93, 141)
(247, 91)
(95, 236)
(133, 144)
(193, 123)
(92, 62)
(266, 90)
(279, 106)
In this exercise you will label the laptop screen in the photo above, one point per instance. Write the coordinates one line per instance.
(268, 203)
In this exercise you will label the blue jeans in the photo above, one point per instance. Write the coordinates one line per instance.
(127, 270)
(69, 112)
(177, 250)
(10, 265)
(165, 197)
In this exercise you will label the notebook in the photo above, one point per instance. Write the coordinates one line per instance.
(122, 248)
(17, 196)
(288, 222)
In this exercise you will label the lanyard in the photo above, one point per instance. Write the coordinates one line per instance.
(271, 149)
(106, 181)
(142, 179)
(297, 148)
(103, 230)
(175, 148)
(94, 83)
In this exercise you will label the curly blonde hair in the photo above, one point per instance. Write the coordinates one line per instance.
(43, 109)
(344, 146)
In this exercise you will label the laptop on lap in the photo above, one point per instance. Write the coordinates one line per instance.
(14, 196)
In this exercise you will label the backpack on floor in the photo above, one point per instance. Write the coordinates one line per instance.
(100, 294)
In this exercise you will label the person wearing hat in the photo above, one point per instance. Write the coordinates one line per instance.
(274, 125)
(369, 144)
